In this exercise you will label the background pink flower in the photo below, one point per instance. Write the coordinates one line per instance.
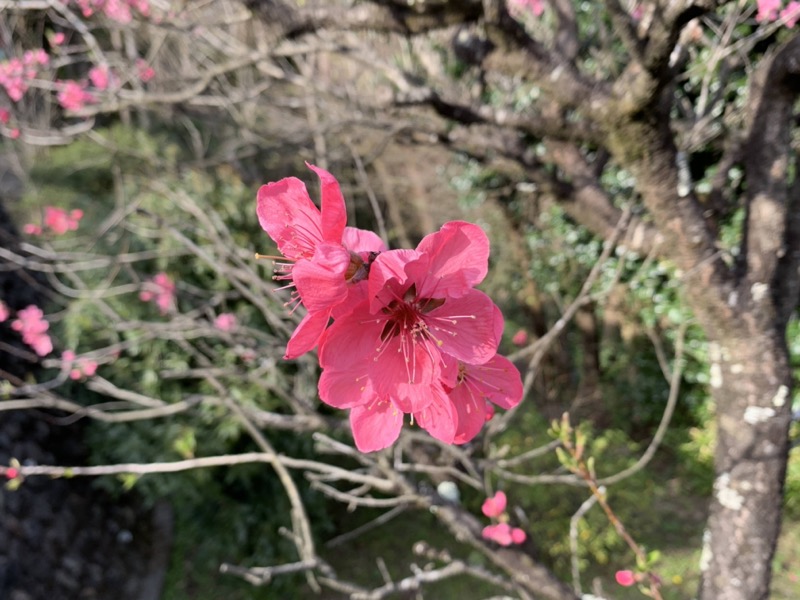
(767, 10)
(4, 312)
(495, 505)
(80, 368)
(72, 96)
(59, 221)
(100, 76)
(504, 534)
(225, 322)
(160, 290)
(535, 7)
(791, 13)
(625, 578)
(31, 324)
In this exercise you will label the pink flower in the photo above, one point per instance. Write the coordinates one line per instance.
(398, 350)
(519, 7)
(495, 505)
(791, 13)
(14, 133)
(520, 338)
(768, 10)
(72, 96)
(58, 38)
(325, 259)
(144, 71)
(625, 578)
(80, 368)
(100, 76)
(59, 221)
(31, 324)
(4, 312)
(225, 322)
(5, 116)
(12, 472)
(32, 229)
(117, 10)
(504, 534)
(160, 290)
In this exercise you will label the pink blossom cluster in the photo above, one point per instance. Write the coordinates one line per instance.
(161, 290)
(57, 220)
(410, 333)
(17, 73)
(72, 95)
(78, 367)
(772, 10)
(32, 325)
(116, 10)
(501, 532)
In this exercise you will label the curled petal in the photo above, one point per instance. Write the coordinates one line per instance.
(333, 213)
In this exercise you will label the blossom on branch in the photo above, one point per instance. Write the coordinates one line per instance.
(72, 95)
(501, 532)
(32, 326)
(323, 259)
(160, 290)
(410, 334)
(495, 505)
(80, 367)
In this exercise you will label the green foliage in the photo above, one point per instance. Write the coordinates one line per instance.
(151, 217)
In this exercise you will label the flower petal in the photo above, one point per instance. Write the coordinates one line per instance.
(321, 280)
(307, 334)
(470, 408)
(286, 212)
(498, 380)
(406, 371)
(458, 259)
(333, 213)
(345, 388)
(439, 417)
(465, 327)
(375, 426)
(361, 240)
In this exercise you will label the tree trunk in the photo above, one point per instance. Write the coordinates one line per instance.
(751, 381)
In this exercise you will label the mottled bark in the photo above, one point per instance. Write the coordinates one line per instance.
(751, 383)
